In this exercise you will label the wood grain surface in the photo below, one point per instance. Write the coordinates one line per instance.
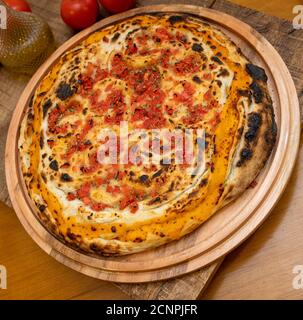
(28, 269)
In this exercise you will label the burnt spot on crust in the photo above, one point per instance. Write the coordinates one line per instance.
(216, 59)
(66, 177)
(157, 174)
(254, 123)
(197, 79)
(42, 208)
(203, 183)
(271, 134)
(105, 250)
(144, 178)
(246, 154)
(175, 19)
(256, 72)
(131, 32)
(41, 141)
(115, 37)
(71, 235)
(47, 104)
(219, 83)
(94, 247)
(244, 93)
(31, 102)
(155, 200)
(257, 92)
(197, 47)
(113, 229)
(54, 165)
(223, 73)
(30, 117)
(42, 94)
(64, 91)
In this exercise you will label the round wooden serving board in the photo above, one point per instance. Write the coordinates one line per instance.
(227, 228)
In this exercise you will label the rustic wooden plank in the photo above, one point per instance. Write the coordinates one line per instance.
(190, 286)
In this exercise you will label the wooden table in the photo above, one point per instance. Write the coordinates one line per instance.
(260, 268)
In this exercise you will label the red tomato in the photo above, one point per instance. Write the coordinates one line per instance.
(117, 6)
(19, 5)
(79, 14)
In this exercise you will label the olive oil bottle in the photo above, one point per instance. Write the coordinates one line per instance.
(25, 42)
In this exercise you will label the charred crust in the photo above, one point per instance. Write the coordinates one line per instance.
(257, 92)
(256, 72)
(66, 177)
(219, 83)
(171, 187)
(41, 140)
(128, 35)
(144, 178)
(203, 183)
(95, 248)
(47, 104)
(175, 19)
(254, 123)
(101, 250)
(197, 47)
(71, 235)
(216, 59)
(223, 73)
(197, 79)
(115, 37)
(254, 120)
(30, 117)
(31, 102)
(64, 91)
(246, 154)
(243, 93)
(42, 94)
(157, 174)
(42, 208)
(155, 200)
(54, 165)
(271, 134)
(113, 229)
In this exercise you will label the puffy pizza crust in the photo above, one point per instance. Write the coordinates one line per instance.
(258, 137)
(251, 147)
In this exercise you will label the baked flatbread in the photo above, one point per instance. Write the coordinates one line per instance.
(155, 73)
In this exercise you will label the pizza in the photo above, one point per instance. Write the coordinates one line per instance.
(142, 131)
